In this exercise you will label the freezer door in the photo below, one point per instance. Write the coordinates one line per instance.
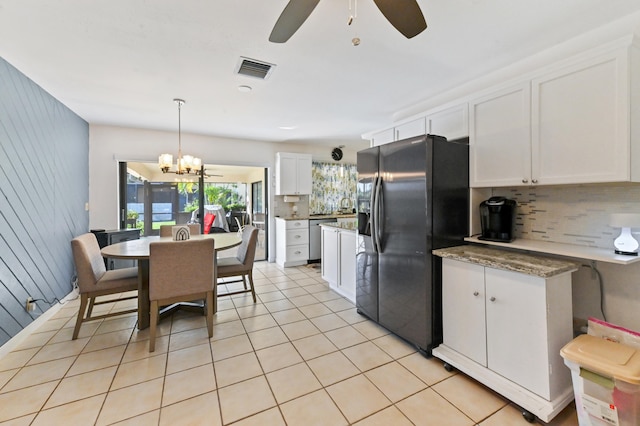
(366, 256)
(405, 257)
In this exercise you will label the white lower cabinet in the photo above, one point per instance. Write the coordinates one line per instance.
(292, 242)
(506, 329)
(339, 260)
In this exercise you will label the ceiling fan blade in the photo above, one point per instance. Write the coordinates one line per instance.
(404, 15)
(291, 18)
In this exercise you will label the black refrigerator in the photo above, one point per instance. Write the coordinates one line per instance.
(412, 197)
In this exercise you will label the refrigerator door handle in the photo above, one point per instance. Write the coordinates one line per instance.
(376, 210)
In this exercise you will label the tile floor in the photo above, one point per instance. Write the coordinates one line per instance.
(300, 356)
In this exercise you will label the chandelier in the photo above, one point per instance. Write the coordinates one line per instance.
(186, 164)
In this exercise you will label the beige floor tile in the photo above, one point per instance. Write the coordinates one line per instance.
(259, 322)
(58, 351)
(232, 346)
(316, 288)
(36, 340)
(96, 360)
(279, 305)
(271, 295)
(430, 409)
(368, 401)
(314, 346)
(227, 329)
(193, 356)
(185, 320)
(296, 292)
(163, 329)
(268, 337)
(111, 325)
(226, 315)
(131, 401)
(370, 329)
(53, 324)
(188, 338)
(315, 409)
(304, 300)
(507, 415)
(277, 357)
(288, 316)
(430, 371)
(394, 346)
(5, 376)
(252, 310)
(82, 386)
(325, 296)
(237, 369)
(395, 381)
(38, 374)
(245, 399)
(315, 310)
(24, 401)
(151, 418)
(469, 396)
(366, 356)
(345, 337)
(329, 322)
(270, 417)
(139, 371)
(140, 350)
(192, 411)
(20, 421)
(300, 329)
(107, 340)
(187, 384)
(17, 359)
(390, 416)
(338, 305)
(292, 382)
(84, 412)
(352, 316)
(332, 368)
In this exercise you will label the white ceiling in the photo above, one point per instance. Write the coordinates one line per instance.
(121, 62)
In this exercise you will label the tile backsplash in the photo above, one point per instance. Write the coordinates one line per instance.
(331, 183)
(573, 214)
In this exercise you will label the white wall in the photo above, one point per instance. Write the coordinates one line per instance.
(108, 145)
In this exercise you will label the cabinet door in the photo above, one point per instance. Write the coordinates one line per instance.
(383, 137)
(286, 174)
(452, 123)
(304, 174)
(347, 279)
(499, 138)
(330, 256)
(517, 345)
(579, 130)
(410, 129)
(463, 309)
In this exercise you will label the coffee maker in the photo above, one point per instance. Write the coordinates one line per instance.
(497, 218)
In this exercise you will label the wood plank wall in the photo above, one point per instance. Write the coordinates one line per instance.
(44, 185)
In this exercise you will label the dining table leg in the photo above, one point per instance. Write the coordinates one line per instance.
(143, 294)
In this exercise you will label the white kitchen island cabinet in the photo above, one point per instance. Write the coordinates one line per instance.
(339, 258)
(293, 173)
(506, 328)
(292, 242)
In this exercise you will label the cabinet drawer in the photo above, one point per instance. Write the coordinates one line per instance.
(298, 252)
(297, 236)
(297, 224)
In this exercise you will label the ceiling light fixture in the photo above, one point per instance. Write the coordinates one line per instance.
(244, 89)
(186, 164)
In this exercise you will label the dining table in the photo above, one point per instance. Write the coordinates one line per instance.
(139, 250)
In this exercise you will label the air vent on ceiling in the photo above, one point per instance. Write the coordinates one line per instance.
(254, 68)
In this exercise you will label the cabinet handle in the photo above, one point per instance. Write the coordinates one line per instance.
(493, 299)
(298, 236)
(534, 180)
(475, 293)
(298, 252)
(525, 180)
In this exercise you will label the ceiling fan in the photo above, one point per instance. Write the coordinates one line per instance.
(404, 15)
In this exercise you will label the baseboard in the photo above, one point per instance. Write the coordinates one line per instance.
(15, 341)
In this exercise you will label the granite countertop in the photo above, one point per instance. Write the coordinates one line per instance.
(346, 226)
(524, 263)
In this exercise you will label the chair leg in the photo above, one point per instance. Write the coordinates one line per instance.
(90, 310)
(253, 290)
(244, 281)
(210, 301)
(153, 325)
(83, 307)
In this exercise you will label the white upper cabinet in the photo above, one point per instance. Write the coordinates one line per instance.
(411, 129)
(580, 122)
(499, 138)
(452, 123)
(293, 173)
(573, 123)
(383, 137)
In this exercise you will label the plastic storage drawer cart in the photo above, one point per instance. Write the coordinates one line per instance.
(606, 381)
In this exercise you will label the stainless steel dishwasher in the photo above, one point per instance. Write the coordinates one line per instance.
(315, 238)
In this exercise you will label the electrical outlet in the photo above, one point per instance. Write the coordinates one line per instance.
(30, 305)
